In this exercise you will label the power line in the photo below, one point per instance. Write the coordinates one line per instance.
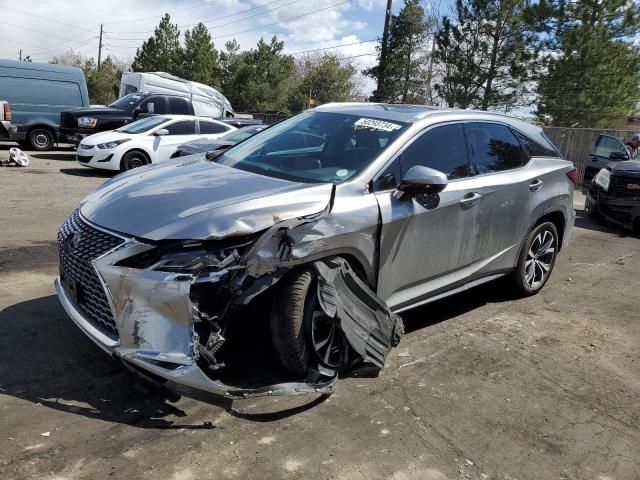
(38, 31)
(26, 44)
(332, 47)
(155, 16)
(46, 18)
(283, 21)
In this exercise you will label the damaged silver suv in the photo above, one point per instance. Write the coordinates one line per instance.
(319, 230)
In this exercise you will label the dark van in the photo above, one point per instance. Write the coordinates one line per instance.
(38, 93)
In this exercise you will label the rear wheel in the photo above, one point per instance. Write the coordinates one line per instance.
(300, 330)
(537, 259)
(41, 139)
(133, 159)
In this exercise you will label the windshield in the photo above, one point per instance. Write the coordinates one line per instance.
(142, 126)
(314, 147)
(241, 134)
(128, 102)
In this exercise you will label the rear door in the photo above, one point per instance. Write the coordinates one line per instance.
(180, 131)
(212, 130)
(600, 157)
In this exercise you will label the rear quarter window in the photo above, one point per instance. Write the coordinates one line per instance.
(533, 148)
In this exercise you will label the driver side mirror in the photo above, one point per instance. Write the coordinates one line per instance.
(422, 180)
(162, 132)
(136, 112)
(618, 156)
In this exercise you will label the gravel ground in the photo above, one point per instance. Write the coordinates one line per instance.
(482, 386)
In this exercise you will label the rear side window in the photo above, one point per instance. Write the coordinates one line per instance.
(212, 127)
(442, 148)
(606, 144)
(494, 148)
(36, 91)
(179, 106)
(155, 105)
(533, 148)
(184, 127)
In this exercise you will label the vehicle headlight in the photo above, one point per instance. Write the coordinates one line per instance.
(602, 179)
(87, 122)
(113, 144)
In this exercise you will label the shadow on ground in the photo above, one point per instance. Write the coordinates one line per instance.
(88, 172)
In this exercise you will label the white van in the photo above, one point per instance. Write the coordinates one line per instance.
(207, 101)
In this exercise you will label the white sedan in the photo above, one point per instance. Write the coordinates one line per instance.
(149, 140)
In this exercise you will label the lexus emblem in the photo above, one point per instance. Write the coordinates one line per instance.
(71, 243)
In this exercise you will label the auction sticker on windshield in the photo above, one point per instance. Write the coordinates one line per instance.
(376, 124)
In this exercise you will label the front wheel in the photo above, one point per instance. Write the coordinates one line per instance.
(301, 333)
(590, 209)
(133, 159)
(537, 259)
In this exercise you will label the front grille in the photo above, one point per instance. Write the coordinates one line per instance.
(79, 244)
(68, 120)
(619, 188)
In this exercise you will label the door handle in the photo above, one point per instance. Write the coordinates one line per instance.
(536, 185)
(470, 199)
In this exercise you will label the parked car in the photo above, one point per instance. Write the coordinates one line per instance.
(396, 206)
(207, 101)
(606, 149)
(82, 122)
(38, 93)
(149, 140)
(203, 145)
(7, 130)
(614, 195)
(239, 122)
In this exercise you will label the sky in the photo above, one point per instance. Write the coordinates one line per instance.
(43, 29)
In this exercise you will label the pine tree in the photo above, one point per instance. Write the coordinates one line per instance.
(200, 58)
(592, 69)
(162, 52)
(401, 78)
(485, 54)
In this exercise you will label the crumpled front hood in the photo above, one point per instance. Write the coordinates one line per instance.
(198, 199)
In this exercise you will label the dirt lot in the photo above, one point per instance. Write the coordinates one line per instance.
(482, 386)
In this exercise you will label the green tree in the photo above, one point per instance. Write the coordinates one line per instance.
(256, 79)
(200, 58)
(401, 77)
(322, 79)
(485, 54)
(161, 52)
(592, 68)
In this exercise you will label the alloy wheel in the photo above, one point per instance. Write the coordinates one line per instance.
(328, 340)
(539, 259)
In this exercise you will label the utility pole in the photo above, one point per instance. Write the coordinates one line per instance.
(20, 54)
(100, 47)
(380, 93)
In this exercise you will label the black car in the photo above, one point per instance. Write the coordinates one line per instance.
(78, 123)
(220, 143)
(614, 194)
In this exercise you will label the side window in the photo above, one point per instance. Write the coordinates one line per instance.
(212, 127)
(607, 144)
(493, 148)
(183, 127)
(442, 148)
(179, 106)
(154, 105)
(533, 148)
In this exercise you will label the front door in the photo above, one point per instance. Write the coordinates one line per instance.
(426, 243)
(605, 147)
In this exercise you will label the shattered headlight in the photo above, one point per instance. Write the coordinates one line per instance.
(87, 122)
(113, 144)
(603, 179)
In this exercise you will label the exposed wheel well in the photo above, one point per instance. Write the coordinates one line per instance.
(557, 218)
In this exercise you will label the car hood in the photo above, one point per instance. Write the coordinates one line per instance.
(624, 168)
(203, 146)
(102, 111)
(198, 199)
(104, 137)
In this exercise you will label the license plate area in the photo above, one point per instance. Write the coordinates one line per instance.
(71, 287)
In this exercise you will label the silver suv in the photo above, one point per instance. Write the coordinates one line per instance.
(321, 229)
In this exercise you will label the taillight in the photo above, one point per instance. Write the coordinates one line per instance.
(573, 176)
(7, 112)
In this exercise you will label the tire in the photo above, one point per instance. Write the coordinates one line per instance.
(302, 335)
(133, 159)
(590, 210)
(531, 277)
(41, 139)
